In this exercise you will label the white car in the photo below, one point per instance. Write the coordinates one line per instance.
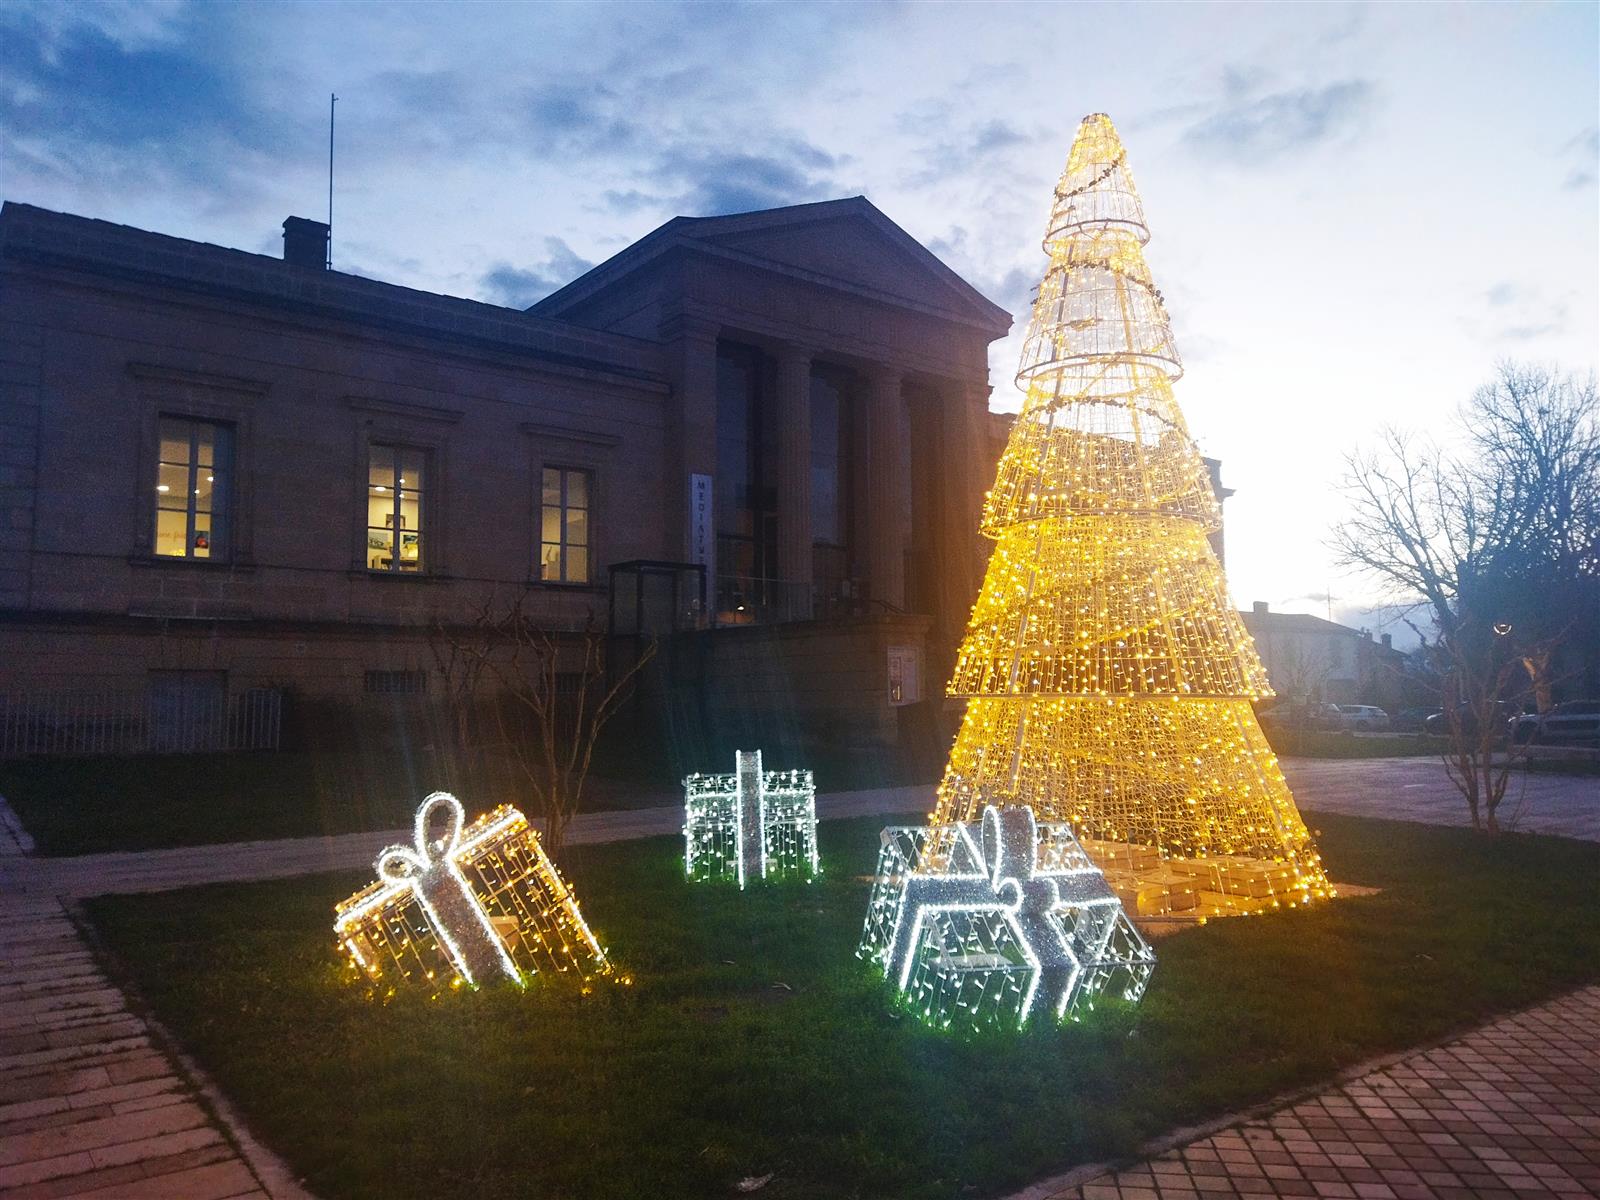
(1576, 722)
(1366, 717)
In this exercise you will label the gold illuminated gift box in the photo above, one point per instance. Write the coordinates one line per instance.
(469, 907)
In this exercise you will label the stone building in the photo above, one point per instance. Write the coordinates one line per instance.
(222, 472)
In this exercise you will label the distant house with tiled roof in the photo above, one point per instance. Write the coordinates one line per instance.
(1310, 659)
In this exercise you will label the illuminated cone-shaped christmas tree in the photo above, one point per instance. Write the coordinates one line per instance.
(1110, 677)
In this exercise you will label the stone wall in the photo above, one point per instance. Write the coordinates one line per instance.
(79, 406)
(21, 355)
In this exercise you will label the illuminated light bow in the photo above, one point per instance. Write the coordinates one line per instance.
(430, 872)
(949, 908)
(472, 905)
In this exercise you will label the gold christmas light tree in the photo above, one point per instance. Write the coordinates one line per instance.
(1109, 676)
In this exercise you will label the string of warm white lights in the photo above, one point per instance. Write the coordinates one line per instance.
(1110, 676)
(751, 824)
(468, 907)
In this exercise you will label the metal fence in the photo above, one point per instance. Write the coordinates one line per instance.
(161, 721)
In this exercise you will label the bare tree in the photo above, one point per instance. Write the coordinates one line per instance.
(1500, 545)
(1297, 675)
(1536, 439)
(553, 696)
(460, 655)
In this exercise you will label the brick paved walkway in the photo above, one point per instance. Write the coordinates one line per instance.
(88, 1105)
(1510, 1111)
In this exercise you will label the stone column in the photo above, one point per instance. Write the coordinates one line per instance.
(968, 463)
(886, 533)
(692, 436)
(971, 401)
(794, 481)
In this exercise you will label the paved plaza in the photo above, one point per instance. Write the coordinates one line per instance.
(89, 1104)
(92, 1105)
(1417, 789)
(1511, 1111)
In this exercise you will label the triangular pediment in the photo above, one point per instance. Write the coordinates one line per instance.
(845, 248)
(845, 243)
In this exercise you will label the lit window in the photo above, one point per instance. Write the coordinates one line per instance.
(395, 482)
(564, 525)
(193, 469)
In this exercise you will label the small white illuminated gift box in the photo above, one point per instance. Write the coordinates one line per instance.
(753, 824)
(466, 906)
(991, 922)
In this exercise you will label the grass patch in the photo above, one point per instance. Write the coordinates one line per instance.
(143, 802)
(146, 802)
(754, 1041)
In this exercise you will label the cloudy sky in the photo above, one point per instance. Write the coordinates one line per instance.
(1357, 210)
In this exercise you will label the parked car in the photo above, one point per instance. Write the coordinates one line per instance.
(1411, 720)
(1366, 717)
(1575, 722)
(1301, 717)
(1439, 724)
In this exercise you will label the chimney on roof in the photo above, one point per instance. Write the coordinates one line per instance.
(1388, 641)
(1259, 608)
(305, 243)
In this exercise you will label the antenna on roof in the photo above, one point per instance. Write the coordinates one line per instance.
(332, 100)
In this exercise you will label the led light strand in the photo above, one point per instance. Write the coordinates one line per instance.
(1108, 673)
(481, 901)
(976, 923)
(750, 821)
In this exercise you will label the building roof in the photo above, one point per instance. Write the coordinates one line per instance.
(41, 237)
(1259, 621)
(747, 238)
(1295, 623)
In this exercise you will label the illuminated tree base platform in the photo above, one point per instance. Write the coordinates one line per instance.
(1196, 888)
(1179, 800)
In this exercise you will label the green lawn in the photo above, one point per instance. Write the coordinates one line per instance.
(88, 805)
(753, 1041)
(144, 802)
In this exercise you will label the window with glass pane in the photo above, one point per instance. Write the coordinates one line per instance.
(395, 483)
(564, 525)
(193, 468)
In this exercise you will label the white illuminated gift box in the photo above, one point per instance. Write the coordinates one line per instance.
(989, 922)
(753, 824)
(469, 905)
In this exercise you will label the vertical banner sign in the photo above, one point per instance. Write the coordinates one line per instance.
(905, 686)
(702, 541)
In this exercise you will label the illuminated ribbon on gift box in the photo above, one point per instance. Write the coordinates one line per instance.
(1010, 887)
(429, 870)
(751, 824)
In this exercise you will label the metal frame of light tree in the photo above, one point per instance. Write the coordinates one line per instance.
(1109, 677)
(477, 904)
(750, 824)
(993, 922)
